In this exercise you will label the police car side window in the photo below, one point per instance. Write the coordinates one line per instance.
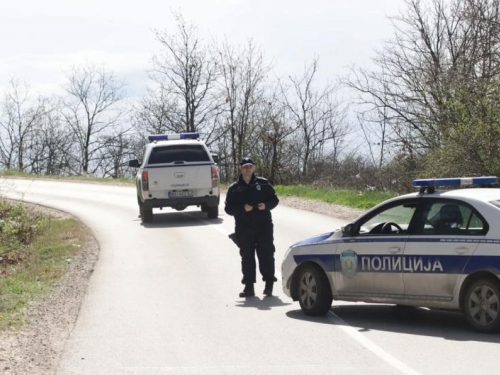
(475, 225)
(383, 222)
(452, 218)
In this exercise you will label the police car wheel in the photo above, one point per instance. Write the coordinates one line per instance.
(482, 305)
(146, 214)
(313, 290)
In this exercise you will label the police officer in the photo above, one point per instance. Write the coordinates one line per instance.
(250, 200)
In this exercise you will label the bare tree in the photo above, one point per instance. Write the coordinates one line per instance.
(91, 112)
(442, 56)
(185, 72)
(317, 115)
(49, 147)
(115, 155)
(243, 73)
(156, 113)
(275, 132)
(22, 114)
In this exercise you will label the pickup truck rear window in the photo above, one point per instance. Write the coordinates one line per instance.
(172, 154)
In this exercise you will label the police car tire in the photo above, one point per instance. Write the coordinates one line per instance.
(146, 214)
(311, 275)
(469, 305)
(213, 212)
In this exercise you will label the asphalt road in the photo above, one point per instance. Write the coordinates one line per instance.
(164, 300)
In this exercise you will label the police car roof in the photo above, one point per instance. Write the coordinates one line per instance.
(481, 194)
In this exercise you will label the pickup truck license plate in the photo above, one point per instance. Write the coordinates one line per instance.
(180, 194)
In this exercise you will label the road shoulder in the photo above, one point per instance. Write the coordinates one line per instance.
(36, 347)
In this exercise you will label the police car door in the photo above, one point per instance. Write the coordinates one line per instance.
(436, 255)
(375, 246)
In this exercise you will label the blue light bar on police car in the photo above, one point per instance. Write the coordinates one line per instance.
(465, 181)
(170, 137)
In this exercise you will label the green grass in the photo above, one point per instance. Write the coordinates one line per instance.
(32, 261)
(350, 198)
(87, 178)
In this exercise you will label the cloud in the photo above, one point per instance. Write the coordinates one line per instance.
(46, 73)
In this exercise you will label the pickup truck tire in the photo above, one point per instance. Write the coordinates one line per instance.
(146, 214)
(213, 212)
(204, 208)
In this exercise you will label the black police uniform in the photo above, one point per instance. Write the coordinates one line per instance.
(254, 229)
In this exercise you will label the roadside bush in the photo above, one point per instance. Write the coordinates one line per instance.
(18, 226)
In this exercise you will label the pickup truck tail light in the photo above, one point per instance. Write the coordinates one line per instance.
(145, 181)
(215, 178)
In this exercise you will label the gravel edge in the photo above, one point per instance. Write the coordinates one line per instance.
(328, 209)
(37, 347)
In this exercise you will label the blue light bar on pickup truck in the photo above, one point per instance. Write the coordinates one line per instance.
(170, 137)
(434, 182)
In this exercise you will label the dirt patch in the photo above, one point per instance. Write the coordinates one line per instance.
(328, 209)
(36, 347)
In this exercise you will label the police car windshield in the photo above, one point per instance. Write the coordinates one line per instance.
(179, 153)
(400, 214)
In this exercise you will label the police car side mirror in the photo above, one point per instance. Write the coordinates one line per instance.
(134, 163)
(348, 230)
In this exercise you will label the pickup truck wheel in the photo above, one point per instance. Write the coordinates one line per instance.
(204, 208)
(146, 214)
(213, 212)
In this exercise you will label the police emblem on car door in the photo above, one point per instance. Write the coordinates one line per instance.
(348, 263)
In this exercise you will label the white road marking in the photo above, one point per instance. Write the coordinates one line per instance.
(352, 332)
(371, 346)
(346, 328)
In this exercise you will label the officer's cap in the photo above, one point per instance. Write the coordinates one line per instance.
(246, 161)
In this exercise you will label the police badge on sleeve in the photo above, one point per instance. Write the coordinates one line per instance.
(349, 263)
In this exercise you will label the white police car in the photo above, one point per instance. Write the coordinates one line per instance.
(437, 249)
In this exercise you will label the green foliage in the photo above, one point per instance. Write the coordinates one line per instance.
(350, 198)
(18, 226)
(470, 143)
(34, 253)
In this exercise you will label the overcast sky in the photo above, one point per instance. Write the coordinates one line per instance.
(39, 40)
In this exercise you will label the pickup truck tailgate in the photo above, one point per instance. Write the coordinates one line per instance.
(195, 178)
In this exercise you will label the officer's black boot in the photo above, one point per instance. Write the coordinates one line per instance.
(248, 291)
(268, 290)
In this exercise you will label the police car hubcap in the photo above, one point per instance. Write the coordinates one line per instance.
(484, 305)
(308, 290)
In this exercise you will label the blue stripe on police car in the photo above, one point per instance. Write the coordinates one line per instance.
(443, 264)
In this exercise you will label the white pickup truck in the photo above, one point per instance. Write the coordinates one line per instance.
(177, 171)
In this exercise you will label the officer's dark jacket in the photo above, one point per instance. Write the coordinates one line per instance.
(259, 190)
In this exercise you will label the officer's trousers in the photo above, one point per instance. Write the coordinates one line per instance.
(258, 241)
